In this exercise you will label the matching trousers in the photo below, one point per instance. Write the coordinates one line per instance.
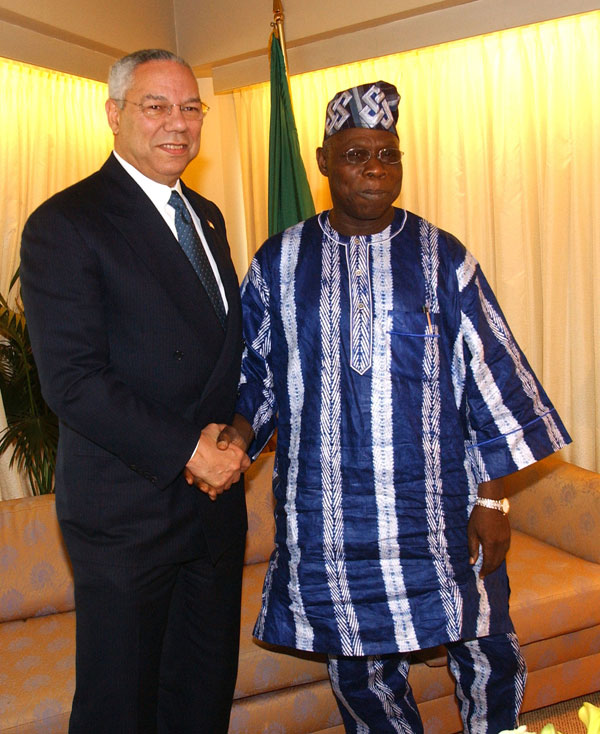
(157, 648)
(375, 697)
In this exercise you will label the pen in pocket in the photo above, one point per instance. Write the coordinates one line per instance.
(429, 325)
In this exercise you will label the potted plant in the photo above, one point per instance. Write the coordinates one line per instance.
(32, 428)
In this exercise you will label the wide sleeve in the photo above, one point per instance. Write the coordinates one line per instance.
(256, 401)
(511, 422)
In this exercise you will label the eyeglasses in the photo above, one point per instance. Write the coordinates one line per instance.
(160, 110)
(360, 156)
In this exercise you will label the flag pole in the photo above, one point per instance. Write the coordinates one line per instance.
(278, 26)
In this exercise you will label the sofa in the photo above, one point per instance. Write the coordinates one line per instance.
(554, 567)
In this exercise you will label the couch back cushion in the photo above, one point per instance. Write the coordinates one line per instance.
(261, 505)
(559, 503)
(34, 567)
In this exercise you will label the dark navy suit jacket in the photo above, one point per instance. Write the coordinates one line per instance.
(134, 362)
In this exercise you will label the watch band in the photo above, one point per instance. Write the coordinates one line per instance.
(502, 505)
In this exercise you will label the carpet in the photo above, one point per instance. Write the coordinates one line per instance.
(563, 715)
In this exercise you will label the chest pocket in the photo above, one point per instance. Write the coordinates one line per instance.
(414, 343)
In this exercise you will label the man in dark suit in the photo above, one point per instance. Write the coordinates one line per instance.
(133, 310)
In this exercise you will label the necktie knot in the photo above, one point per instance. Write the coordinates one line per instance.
(178, 204)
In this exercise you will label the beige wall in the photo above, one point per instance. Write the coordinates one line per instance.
(228, 39)
(221, 32)
(83, 37)
(436, 23)
(115, 23)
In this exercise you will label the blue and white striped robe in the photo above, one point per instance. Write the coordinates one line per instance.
(385, 427)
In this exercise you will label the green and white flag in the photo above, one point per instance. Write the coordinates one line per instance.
(290, 200)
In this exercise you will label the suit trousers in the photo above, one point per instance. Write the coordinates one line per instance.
(375, 697)
(157, 648)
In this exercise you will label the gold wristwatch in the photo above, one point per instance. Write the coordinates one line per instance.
(502, 505)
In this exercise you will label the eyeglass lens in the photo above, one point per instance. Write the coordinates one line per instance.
(360, 156)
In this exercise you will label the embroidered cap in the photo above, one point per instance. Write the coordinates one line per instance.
(373, 105)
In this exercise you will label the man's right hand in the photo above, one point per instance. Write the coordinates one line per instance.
(213, 470)
(239, 433)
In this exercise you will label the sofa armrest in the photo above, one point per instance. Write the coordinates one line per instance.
(34, 566)
(558, 503)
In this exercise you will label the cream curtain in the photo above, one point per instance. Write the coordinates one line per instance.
(502, 148)
(53, 132)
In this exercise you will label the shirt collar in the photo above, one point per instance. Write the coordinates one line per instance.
(157, 193)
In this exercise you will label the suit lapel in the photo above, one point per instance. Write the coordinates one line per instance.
(147, 233)
(149, 236)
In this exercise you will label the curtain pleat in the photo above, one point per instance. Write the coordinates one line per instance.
(53, 132)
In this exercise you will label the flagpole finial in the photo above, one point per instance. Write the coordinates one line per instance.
(277, 25)
(277, 11)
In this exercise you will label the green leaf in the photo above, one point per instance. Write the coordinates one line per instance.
(32, 428)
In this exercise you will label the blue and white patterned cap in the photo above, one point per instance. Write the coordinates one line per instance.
(373, 106)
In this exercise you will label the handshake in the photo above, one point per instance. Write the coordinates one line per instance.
(220, 457)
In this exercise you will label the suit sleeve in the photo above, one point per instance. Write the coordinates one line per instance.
(63, 289)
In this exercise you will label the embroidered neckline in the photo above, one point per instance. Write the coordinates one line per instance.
(327, 230)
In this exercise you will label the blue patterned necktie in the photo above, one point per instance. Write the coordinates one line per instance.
(191, 244)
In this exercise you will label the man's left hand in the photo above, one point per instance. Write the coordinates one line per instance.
(489, 529)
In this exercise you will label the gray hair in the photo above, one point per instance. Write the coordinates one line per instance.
(120, 76)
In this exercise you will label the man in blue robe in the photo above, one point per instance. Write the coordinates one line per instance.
(377, 349)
